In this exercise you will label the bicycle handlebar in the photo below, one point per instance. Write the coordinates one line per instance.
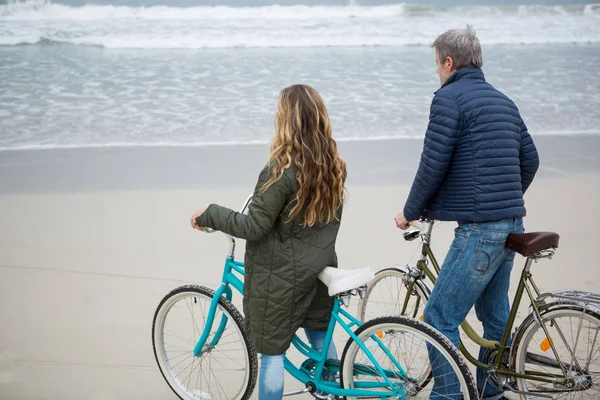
(230, 238)
(246, 203)
(417, 224)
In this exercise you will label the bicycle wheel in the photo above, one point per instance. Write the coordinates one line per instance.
(408, 341)
(226, 370)
(575, 334)
(386, 295)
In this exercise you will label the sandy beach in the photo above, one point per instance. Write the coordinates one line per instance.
(92, 239)
(121, 118)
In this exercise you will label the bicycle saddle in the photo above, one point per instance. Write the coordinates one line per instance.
(344, 280)
(528, 244)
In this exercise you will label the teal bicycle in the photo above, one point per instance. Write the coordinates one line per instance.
(203, 351)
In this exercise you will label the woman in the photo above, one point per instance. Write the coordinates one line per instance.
(291, 228)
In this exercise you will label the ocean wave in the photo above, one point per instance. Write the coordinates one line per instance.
(187, 43)
(157, 27)
(49, 11)
(45, 10)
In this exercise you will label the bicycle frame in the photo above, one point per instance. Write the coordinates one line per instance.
(339, 317)
(526, 284)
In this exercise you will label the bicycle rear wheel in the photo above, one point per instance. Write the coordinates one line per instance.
(227, 366)
(404, 361)
(575, 334)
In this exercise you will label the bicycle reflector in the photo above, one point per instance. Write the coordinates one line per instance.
(546, 344)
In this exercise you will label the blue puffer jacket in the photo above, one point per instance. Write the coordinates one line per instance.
(478, 158)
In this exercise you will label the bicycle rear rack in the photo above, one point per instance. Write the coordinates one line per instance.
(587, 300)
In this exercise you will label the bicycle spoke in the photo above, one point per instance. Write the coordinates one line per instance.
(572, 352)
(180, 355)
(179, 337)
(587, 366)
(191, 370)
(181, 362)
(218, 384)
(198, 375)
(193, 319)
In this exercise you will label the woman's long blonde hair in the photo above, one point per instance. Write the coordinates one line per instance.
(303, 134)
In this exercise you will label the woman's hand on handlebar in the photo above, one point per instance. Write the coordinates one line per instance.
(193, 220)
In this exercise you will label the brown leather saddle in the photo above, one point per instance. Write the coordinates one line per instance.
(528, 244)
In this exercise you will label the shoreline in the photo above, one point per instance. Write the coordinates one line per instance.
(374, 162)
(261, 142)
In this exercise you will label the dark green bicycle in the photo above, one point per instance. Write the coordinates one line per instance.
(555, 351)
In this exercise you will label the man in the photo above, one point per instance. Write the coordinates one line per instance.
(477, 162)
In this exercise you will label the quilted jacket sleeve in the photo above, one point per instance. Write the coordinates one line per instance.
(440, 139)
(263, 211)
(528, 155)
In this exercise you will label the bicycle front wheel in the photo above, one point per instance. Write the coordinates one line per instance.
(227, 367)
(386, 295)
(403, 349)
(569, 357)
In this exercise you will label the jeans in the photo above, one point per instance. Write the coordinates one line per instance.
(270, 381)
(476, 271)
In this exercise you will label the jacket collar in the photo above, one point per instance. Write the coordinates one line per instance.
(464, 73)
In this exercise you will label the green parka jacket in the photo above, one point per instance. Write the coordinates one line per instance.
(283, 259)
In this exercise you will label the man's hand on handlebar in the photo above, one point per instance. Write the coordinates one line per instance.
(401, 222)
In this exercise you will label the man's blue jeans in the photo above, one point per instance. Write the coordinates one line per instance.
(476, 271)
(270, 380)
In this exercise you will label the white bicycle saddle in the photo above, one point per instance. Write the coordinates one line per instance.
(343, 280)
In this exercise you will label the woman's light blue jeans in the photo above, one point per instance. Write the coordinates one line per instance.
(270, 381)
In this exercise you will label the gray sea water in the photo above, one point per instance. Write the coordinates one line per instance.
(198, 72)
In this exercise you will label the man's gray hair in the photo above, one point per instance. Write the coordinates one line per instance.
(462, 45)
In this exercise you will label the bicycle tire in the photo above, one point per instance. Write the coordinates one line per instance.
(443, 345)
(232, 313)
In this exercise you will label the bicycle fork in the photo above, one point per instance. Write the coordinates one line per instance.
(201, 346)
